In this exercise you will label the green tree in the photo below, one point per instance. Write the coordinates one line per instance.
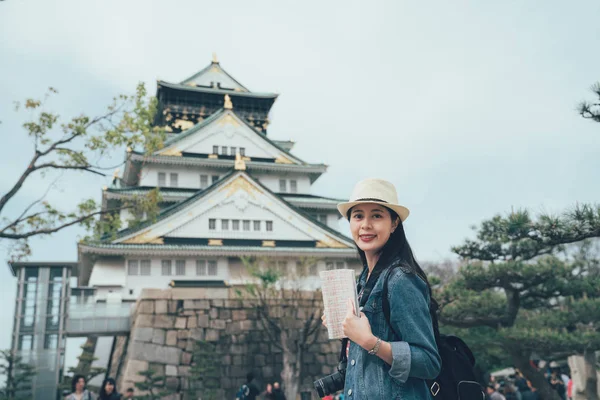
(591, 109)
(277, 298)
(153, 385)
(205, 377)
(76, 146)
(525, 284)
(84, 365)
(17, 376)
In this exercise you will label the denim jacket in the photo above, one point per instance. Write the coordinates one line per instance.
(414, 351)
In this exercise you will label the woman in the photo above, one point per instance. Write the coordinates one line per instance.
(109, 390)
(78, 389)
(269, 395)
(387, 362)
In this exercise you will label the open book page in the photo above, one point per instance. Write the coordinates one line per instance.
(338, 286)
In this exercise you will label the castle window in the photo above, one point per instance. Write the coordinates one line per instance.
(242, 151)
(340, 265)
(225, 224)
(145, 269)
(174, 179)
(329, 266)
(232, 151)
(166, 267)
(203, 181)
(215, 149)
(215, 178)
(323, 218)
(201, 267)
(235, 224)
(257, 225)
(212, 268)
(162, 179)
(246, 225)
(180, 267)
(282, 185)
(212, 224)
(132, 267)
(269, 226)
(294, 186)
(224, 150)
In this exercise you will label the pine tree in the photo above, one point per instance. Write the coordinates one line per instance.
(17, 377)
(523, 281)
(153, 386)
(204, 380)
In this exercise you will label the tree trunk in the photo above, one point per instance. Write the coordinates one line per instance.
(290, 374)
(591, 377)
(537, 379)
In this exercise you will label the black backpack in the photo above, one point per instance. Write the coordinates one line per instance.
(457, 379)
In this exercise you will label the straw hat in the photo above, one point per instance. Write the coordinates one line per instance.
(376, 191)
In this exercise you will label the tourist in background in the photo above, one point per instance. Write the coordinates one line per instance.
(108, 391)
(78, 390)
(279, 395)
(129, 393)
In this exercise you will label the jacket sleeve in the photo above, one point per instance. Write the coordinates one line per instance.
(416, 355)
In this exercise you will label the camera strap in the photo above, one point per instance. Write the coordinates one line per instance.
(366, 292)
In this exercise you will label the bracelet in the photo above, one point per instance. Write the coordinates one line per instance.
(375, 349)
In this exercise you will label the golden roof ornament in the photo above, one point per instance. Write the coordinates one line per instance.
(240, 164)
(228, 105)
(215, 60)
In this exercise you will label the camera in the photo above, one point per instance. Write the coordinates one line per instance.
(332, 383)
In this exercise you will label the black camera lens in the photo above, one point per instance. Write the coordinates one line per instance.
(333, 383)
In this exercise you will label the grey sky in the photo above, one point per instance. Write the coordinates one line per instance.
(468, 107)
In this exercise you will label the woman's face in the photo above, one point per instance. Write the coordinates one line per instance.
(371, 226)
(109, 387)
(269, 388)
(80, 385)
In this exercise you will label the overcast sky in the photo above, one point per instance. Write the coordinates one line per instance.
(469, 108)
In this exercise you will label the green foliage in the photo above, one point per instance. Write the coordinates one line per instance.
(528, 285)
(76, 145)
(153, 386)
(16, 376)
(591, 110)
(84, 365)
(205, 378)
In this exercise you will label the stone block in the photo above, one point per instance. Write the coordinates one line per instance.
(237, 360)
(159, 369)
(132, 370)
(224, 314)
(164, 321)
(160, 307)
(186, 358)
(232, 304)
(267, 370)
(217, 303)
(236, 349)
(197, 334)
(218, 324)
(238, 315)
(144, 321)
(183, 334)
(155, 294)
(171, 338)
(259, 360)
(214, 313)
(321, 359)
(196, 304)
(143, 334)
(154, 353)
(172, 383)
(159, 336)
(226, 359)
(192, 321)
(332, 359)
(180, 323)
(184, 370)
(172, 306)
(145, 307)
(211, 335)
(325, 370)
(171, 370)
(202, 321)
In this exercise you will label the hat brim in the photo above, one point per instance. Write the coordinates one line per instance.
(402, 211)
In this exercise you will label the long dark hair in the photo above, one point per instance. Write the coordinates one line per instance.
(397, 251)
(103, 395)
(76, 379)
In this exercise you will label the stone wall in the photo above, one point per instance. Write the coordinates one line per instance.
(167, 323)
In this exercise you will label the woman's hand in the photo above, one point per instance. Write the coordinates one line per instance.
(356, 328)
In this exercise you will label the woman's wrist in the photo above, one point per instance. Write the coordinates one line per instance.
(369, 342)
